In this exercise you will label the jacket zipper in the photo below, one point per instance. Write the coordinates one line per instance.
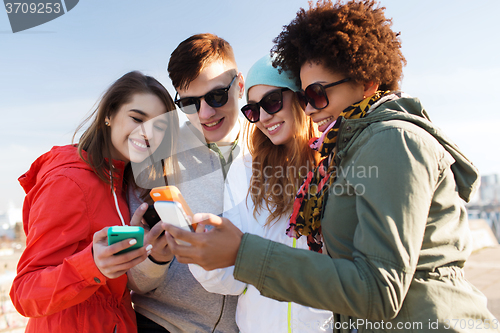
(221, 312)
(294, 245)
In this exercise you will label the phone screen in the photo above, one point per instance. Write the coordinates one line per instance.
(151, 216)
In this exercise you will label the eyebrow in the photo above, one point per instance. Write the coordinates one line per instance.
(163, 121)
(139, 112)
(217, 87)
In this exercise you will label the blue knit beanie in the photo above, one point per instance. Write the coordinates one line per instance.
(263, 72)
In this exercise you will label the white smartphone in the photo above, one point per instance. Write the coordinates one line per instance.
(172, 212)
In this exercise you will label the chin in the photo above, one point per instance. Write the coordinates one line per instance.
(278, 142)
(214, 137)
(138, 158)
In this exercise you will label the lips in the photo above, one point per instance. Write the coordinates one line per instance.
(138, 144)
(324, 123)
(274, 128)
(214, 125)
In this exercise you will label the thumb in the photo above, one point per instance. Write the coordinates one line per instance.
(200, 227)
(207, 219)
(101, 235)
(137, 217)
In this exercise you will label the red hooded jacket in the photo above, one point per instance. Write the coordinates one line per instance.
(58, 284)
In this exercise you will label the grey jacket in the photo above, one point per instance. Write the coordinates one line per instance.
(169, 294)
(396, 231)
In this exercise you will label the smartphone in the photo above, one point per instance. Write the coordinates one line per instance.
(172, 212)
(119, 233)
(151, 216)
(170, 193)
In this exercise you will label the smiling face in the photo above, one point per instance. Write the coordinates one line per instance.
(137, 125)
(278, 127)
(216, 123)
(340, 96)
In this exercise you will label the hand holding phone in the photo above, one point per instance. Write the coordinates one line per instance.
(109, 264)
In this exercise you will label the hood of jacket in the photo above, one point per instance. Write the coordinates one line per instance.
(397, 107)
(55, 159)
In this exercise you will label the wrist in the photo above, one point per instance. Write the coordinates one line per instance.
(158, 262)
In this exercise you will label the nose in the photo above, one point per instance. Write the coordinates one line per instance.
(309, 110)
(206, 111)
(147, 130)
(264, 116)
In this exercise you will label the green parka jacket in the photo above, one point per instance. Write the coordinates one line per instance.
(395, 229)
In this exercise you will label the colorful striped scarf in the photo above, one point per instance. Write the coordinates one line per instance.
(313, 193)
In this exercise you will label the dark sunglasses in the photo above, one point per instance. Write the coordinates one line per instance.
(272, 102)
(315, 95)
(215, 98)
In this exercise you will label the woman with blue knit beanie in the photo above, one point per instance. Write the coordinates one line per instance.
(277, 135)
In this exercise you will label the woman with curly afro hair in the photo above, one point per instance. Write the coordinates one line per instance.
(386, 202)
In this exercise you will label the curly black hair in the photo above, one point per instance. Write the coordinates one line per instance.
(354, 39)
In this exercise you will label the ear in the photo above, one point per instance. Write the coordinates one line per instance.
(241, 85)
(370, 88)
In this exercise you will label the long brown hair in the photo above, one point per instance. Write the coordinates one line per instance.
(289, 166)
(96, 140)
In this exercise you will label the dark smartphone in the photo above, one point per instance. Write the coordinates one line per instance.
(151, 216)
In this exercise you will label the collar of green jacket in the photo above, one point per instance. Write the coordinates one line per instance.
(396, 107)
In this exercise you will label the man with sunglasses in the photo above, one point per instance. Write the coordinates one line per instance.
(167, 298)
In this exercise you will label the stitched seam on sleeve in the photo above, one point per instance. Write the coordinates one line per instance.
(369, 286)
(239, 255)
(265, 265)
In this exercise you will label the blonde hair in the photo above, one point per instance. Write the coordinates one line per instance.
(286, 164)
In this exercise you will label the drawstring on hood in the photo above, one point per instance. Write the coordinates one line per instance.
(118, 207)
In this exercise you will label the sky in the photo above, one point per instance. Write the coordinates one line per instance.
(51, 76)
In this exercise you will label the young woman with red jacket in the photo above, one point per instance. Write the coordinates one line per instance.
(68, 278)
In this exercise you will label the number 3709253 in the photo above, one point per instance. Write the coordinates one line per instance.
(471, 323)
(33, 8)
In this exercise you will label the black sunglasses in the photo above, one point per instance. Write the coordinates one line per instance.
(315, 94)
(272, 102)
(215, 98)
